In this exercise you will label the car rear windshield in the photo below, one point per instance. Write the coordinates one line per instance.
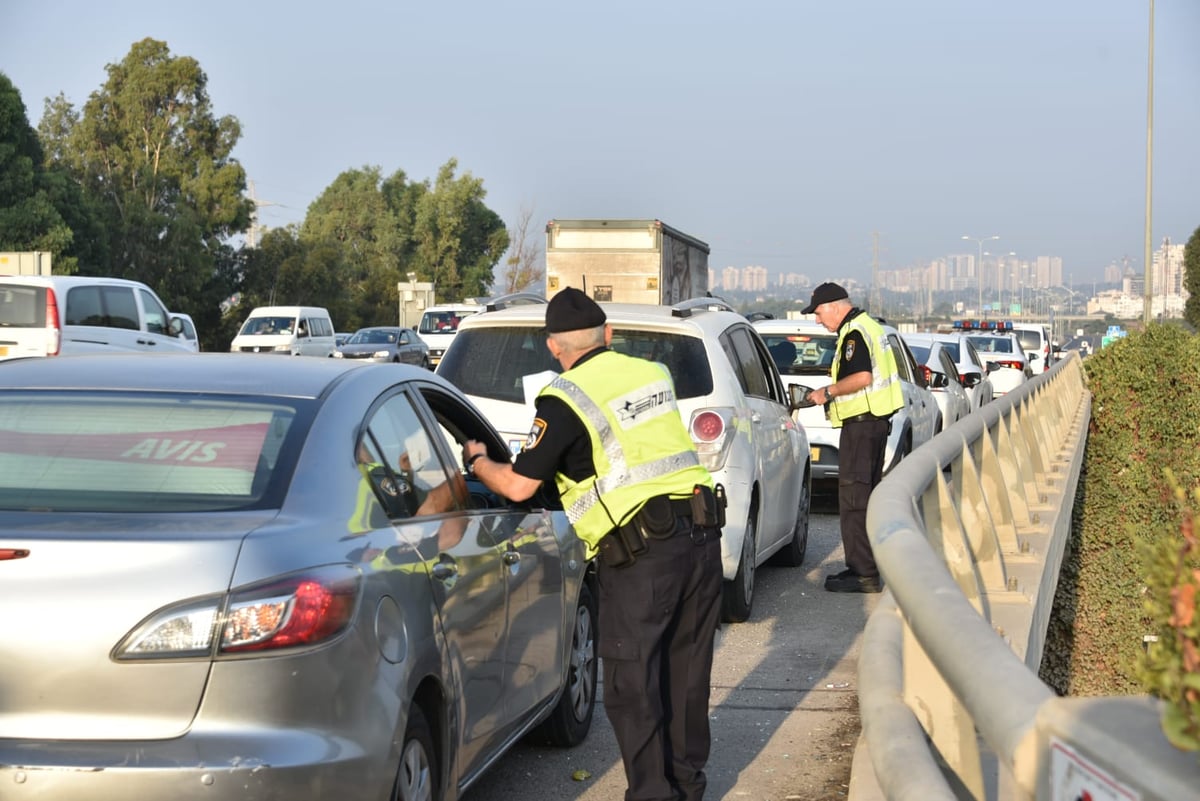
(1030, 340)
(992, 344)
(802, 354)
(492, 362)
(131, 452)
(22, 306)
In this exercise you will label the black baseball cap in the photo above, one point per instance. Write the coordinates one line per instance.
(825, 293)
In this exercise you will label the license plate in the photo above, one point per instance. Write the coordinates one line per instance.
(816, 453)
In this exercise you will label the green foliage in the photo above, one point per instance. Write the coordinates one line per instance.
(1191, 280)
(1170, 667)
(29, 217)
(155, 164)
(1145, 419)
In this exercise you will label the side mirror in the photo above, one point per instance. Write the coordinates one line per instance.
(798, 396)
(1033, 357)
(175, 327)
(938, 380)
(971, 380)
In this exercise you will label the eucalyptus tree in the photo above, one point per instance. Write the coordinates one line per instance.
(154, 160)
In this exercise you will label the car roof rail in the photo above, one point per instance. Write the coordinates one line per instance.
(755, 316)
(512, 299)
(686, 308)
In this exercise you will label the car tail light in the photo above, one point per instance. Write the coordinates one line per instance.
(712, 433)
(928, 373)
(53, 332)
(1013, 365)
(295, 610)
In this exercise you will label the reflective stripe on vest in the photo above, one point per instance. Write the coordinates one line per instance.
(883, 395)
(640, 446)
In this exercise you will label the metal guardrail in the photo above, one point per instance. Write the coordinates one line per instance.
(969, 533)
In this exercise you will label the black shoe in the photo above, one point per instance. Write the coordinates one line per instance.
(845, 573)
(848, 581)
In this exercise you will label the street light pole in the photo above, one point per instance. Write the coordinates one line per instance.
(979, 265)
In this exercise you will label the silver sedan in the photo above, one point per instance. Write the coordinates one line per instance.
(224, 577)
(385, 344)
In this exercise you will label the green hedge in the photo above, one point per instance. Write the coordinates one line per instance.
(1143, 442)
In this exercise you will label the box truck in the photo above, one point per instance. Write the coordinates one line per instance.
(626, 261)
(34, 262)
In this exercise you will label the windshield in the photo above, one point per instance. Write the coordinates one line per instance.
(801, 354)
(443, 322)
(491, 362)
(268, 325)
(374, 336)
(131, 452)
(991, 344)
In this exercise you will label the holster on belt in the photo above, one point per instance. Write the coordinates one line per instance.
(622, 546)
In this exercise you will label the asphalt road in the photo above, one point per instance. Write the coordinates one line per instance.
(784, 710)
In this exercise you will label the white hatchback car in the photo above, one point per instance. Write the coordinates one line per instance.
(972, 371)
(812, 349)
(1005, 358)
(729, 393)
(941, 374)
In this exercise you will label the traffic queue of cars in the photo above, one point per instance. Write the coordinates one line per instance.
(276, 578)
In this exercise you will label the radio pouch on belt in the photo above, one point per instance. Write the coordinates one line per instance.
(708, 506)
(656, 519)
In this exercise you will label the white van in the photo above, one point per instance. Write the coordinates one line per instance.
(439, 324)
(67, 315)
(294, 330)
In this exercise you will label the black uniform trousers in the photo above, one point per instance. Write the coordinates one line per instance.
(658, 618)
(861, 449)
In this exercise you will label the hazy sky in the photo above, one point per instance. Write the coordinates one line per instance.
(782, 133)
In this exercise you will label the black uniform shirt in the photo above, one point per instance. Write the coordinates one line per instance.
(855, 357)
(558, 441)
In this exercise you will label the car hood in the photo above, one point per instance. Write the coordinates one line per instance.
(86, 582)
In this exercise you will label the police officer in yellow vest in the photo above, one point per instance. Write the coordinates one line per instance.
(609, 434)
(864, 395)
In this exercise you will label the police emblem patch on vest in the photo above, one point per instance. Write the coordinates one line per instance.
(849, 352)
(535, 433)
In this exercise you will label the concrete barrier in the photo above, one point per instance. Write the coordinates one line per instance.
(969, 533)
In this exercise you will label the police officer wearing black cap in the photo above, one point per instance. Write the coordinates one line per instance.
(609, 434)
(864, 395)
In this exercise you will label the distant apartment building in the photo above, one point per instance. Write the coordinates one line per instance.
(729, 279)
(754, 278)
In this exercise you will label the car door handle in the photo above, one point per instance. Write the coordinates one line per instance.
(512, 557)
(755, 417)
(443, 571)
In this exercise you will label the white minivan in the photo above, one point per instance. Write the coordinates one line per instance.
(67, 315)
(293, 330)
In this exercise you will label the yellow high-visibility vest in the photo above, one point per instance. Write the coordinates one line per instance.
(640, 445)
(883, 395)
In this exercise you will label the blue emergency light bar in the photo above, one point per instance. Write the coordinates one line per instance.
(984, 325)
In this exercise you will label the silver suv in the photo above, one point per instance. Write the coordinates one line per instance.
(729, 393)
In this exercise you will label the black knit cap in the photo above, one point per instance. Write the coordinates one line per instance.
(571, 310)
(825, 293)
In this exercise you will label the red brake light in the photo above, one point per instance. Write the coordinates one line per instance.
(927, 373)
(297, 611)
(52, 329)
(1013, 365)
(707, 427)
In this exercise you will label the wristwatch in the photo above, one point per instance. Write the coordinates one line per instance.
(471, 463)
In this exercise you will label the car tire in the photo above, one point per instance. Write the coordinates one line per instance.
(417, 777)
(792, 554)
(571, 719)
(737, 596)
